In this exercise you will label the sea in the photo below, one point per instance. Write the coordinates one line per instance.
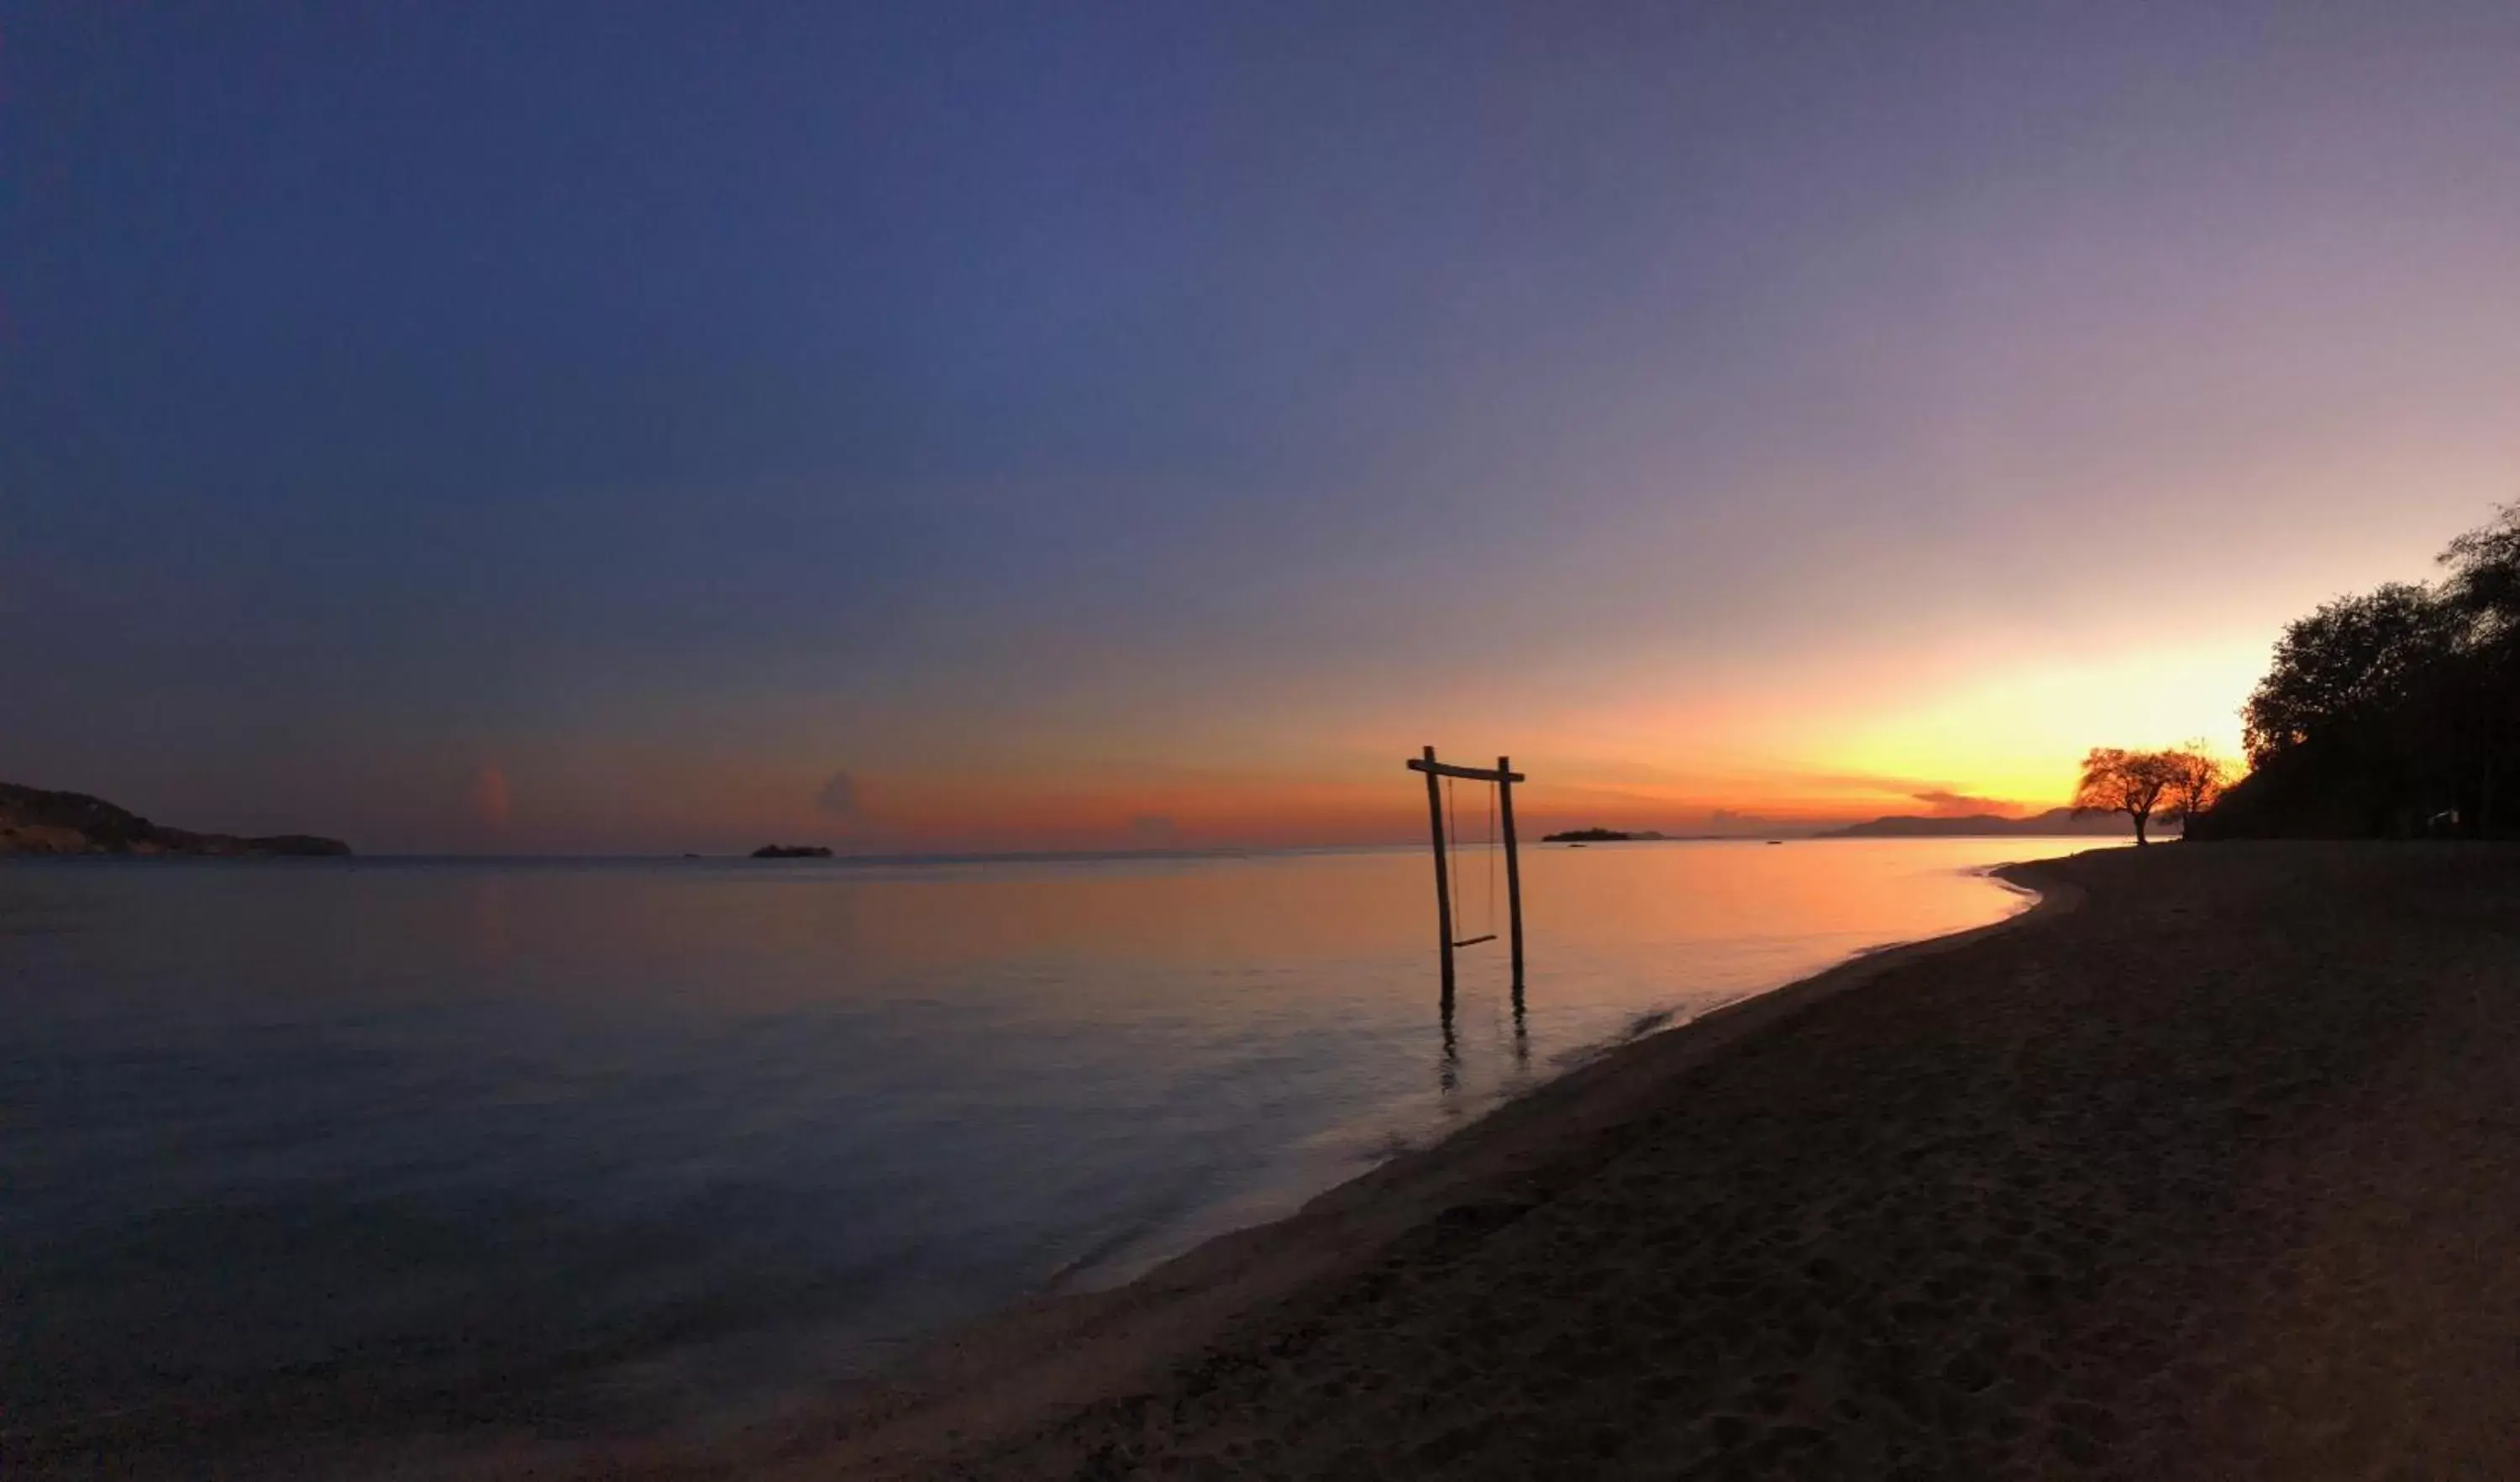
(388, 1150)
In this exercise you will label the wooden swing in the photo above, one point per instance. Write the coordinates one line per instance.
(1440, 776)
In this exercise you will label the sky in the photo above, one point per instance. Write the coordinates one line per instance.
(645, 427)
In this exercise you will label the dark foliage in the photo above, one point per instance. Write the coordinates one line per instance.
(2392, 714)
(2141, 783)
(39, 821)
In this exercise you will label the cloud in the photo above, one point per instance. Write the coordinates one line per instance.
(1943, 803)
(1155, 830)
(843, 804)
(839, 799)
(485, 797)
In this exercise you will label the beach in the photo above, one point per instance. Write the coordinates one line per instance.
(2204, 1168)
(915, 742)
(319, 1170)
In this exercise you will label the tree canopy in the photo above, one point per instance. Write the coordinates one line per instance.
(2196, 781)
(2396, 711)
(2181, 782)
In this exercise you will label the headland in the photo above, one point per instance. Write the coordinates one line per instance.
(37, 821)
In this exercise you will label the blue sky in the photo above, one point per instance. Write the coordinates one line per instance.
(1048, 417)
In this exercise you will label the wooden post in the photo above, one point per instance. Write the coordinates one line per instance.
(1443, 877)
(1447, 1070)
(1513, 871)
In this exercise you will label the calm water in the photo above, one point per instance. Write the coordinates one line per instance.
(578, 1149)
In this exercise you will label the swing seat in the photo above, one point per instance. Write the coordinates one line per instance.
(1472, 941)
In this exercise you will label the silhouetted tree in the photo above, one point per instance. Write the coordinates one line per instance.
(2356, 729)
(2483, 588)
(2484, 580)
(2351, 668)
(2196, 779)
(2131, 782)
(2396, 711)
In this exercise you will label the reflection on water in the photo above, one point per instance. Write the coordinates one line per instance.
(551, 1147)
(1448, 1078)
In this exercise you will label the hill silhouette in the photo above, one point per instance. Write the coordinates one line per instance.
(38, 820)
(2053, 821)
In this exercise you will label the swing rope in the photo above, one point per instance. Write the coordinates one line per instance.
(1453, 856)
(1452, 831)
(1492, 856)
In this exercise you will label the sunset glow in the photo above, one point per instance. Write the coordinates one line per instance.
(1107, 451)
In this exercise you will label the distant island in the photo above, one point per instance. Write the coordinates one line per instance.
(36, 821)
(1596, 836)
(792, 851)
(2054, 821)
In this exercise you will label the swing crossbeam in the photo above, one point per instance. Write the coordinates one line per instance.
(1434, 768)
(1504, 776)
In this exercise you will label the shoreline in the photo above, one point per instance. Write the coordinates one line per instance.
(1274, 1209)
(1070, 1346)
(405, 1427)
(2203, 1166)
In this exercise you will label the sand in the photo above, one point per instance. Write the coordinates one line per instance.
(2210, 1167)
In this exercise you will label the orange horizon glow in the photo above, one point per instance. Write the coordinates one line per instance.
(1998, 729)
(2007, 745)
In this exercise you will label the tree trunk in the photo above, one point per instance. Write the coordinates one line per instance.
(2139, 820)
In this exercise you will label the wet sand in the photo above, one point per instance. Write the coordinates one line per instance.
(2209, 1167)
